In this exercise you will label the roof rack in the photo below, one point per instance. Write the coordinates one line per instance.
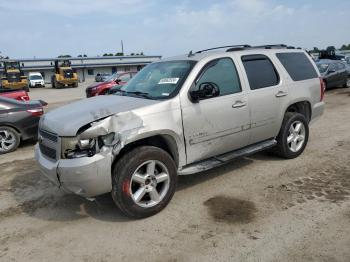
(274, 46)
(220, 47)
(232, 48)
(241, 47)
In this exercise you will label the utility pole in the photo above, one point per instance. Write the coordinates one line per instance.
(122, 46)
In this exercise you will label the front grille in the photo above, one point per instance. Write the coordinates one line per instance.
(48, 144)
(47, 151)
(50, 136)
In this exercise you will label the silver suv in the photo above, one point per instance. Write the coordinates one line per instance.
(180, 116)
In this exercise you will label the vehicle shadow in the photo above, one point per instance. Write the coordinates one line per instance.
(36, 196)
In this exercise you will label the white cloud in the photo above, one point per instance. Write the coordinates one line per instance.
(76, 7)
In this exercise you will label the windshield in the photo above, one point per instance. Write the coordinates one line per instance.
(160, 80)
(35, 77)
(322, 67)
(112, 77)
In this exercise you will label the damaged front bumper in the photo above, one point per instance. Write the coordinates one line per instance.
(86, 176)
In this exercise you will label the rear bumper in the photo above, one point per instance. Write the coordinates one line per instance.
(317, 111)
(87, 176)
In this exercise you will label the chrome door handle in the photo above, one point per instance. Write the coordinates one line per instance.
(281, 94)
(239, 104)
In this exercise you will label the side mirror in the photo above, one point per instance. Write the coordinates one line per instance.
(331, 71)
(204, 91)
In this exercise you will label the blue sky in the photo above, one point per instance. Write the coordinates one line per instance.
(47, 28)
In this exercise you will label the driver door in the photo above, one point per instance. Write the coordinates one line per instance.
(218, 124)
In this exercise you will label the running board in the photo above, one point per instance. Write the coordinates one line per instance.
(224, 158)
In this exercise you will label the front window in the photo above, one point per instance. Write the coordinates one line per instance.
(35, 77)
(160, 80)
(322, 68)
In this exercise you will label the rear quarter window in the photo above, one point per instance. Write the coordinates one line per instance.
(297, 65)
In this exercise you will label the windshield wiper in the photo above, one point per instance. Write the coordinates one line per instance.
(138, 93)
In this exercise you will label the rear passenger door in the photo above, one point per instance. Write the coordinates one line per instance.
(267, 96)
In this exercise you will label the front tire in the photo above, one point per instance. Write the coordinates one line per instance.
(9, 139)
(144, 181)
(293, 136)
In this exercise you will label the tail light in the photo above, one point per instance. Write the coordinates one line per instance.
(36, 111)
(323, 88)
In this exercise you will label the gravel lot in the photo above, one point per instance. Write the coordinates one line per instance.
(259, 208)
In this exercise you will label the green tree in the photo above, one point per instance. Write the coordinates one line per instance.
(315, 50)
(64, 56)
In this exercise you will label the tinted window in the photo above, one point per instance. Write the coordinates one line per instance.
(260, 71)
(297, 65)
(223, 73)
(341, 66)
(332, 67)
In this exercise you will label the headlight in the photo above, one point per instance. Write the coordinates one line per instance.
(108, 140)
(86, 143)
(73, 147)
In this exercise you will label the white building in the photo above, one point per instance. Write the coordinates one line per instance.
(86, 67)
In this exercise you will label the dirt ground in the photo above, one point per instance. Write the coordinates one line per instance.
(259, 208)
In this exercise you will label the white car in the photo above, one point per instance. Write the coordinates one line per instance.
(36, 80)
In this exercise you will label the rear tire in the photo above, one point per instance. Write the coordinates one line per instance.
(9, 139)
(53, 79)
(293, 136)
(347, 83)
(144, 181)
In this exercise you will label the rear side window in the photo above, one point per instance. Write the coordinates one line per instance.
(260, 71)
(297, 65)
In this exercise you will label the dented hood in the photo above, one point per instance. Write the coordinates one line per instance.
(68, 119)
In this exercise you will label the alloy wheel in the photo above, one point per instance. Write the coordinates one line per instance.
(7, 140)
(149, 183)
(296, 136)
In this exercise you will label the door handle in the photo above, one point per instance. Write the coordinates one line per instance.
(239, 104)
(281, 94)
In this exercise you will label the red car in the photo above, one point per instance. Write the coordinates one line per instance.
(103, 88)
(20, 95)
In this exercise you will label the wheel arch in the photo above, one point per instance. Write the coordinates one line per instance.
(12, 126)
(164, 141)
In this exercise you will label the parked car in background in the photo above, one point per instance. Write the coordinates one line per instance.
(20, 95)
(181, 116)
(101, 77)
(18, 122)
(117, 79)
(334, 73)
(35, 79)
(114, 89)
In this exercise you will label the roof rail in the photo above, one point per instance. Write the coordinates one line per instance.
(220, 47)
(232, 48)
(274, 46)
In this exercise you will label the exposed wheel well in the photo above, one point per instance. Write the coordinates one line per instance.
(165, 142)
(302, 107)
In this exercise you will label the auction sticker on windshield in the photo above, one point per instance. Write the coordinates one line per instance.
(172, 81)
